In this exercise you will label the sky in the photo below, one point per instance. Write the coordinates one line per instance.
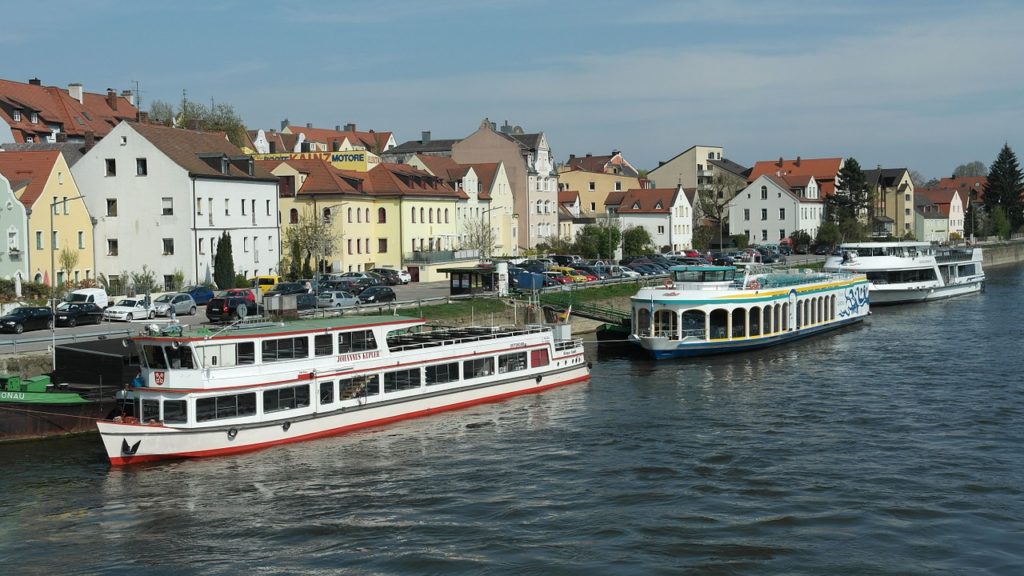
(922, 84)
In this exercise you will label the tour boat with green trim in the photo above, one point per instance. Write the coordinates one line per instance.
(702, 310)
(36, 407)
(260, 383)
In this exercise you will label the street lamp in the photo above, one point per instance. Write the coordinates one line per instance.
(319, 251)
(490, 229)
(53, 281)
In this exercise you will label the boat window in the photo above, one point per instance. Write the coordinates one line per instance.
(477, 368)
(180, 357)
(150, 410)
(327, 392)
(539, 358)
(401, 380)
(358, 341)
(175, 411)
(154, 356)
(280, 349)
(212, 356)
(442, 373)
(286, 398)
(218, 407)
(359, 386)
(511, 362)
(322, 345)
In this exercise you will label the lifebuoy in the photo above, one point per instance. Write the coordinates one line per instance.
(754, 285)
(668, 283)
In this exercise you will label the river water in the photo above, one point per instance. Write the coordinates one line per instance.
(894, 447)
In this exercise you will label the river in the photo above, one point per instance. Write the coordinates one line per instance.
(893, 447)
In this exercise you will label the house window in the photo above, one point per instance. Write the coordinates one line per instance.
(413, 211)
(618, 186)
(382, 245)
(202, 245)
(243, 207)
(349, 244)
(327, 216)
(382, 216)
(111, 247)
(67, 210)
(53, 240)
(591, 186)
(140, 167)
(168, 206)
(593, 206)
(661, 229)
(34, 118)
(111, 167)
(764, 235)
(782, 233)
(293, 216)
(245, 244)
(782, 213)
(746, 213)
(421, 216)
(268, 207)
(764, 213)
(445, 215)
(81, 240)
(764, 192)
(168, 246)
(907, 211)
(17, 115)
(39, 240)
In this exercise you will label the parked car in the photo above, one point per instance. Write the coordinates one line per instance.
(224, 307)
(337, 299)
(97, 296)
(181, 302)
(201, 294)
(559, 277)
(75, 313)
(623, 271)
(567, 259)
(285, 288)
(129, 309)
(535, 266)
(722, 259)
(305, 301)
(266, 282)
(596, 271)
(404, 275)
(390, 275)
(377, 295)
(587, 276)
(26, 318)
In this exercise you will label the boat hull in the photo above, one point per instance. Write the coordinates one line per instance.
(31, 420)
(662, 348)
(136, 443)
(882, 295)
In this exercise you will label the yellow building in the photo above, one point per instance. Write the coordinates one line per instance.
(60, 231)
(594, 177)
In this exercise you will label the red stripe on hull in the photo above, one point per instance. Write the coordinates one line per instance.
(122, 460)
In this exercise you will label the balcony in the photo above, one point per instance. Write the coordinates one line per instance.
(439, 256)
(13, 251)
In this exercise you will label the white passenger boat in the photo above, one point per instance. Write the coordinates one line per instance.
(902, 272)
(705, 310)
(259, 385)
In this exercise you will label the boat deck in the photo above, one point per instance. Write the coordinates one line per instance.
(449, 336)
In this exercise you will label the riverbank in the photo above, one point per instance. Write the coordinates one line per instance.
(1003, 253)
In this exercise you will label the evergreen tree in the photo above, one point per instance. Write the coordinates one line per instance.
(224, 263)
(1003, 188)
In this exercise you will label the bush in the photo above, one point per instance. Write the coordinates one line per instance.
(241, 281)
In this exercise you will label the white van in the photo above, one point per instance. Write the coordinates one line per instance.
(97, 296)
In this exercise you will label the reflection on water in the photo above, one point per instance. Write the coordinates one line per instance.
(892, 447)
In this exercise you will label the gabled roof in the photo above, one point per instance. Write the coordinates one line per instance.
(648, 201)
(928, 209)
(372, 141)
(417, 147)
(614, 198)
(321, 177)
(528, 141)
(443, 167)
(486, 172)
(968, 185)
(884, 177)
(282, 142)
(185, 147)
(388, 179)
(568, 196)
(29, 168)
(791, 185)
(731, 167)
(589, 163)
(824, 170)
(940, 197)
(96, 113)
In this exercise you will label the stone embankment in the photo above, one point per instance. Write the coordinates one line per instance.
(1003, 253)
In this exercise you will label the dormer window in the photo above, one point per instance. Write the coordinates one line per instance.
(34, 118)
(224, 164)
(658, 206)
(636, 205)
(16, 116)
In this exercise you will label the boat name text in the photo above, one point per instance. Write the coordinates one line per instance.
(12, 396)
(358, 356)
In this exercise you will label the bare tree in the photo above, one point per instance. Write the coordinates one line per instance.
(480, 235)
(314, 236)
(68, 259)
(713, 200)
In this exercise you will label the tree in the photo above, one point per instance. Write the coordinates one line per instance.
(703, 236)
(636, 241)
(976, 168)
(739, 240)
(849, 207)
(312, 237)
(828, 235)
(216, 118)
(918, 179)
(800, 238)
(556, 244)
(480, 235)
(1000, 223)
(68, 259)
(598, 240)
(224, 263)
(1003, 188)
(713, 200)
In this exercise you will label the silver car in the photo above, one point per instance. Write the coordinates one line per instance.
(182, 304)
(337, 299)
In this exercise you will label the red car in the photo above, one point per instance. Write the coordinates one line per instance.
(558, 277)
(246, 293)
(590, 277)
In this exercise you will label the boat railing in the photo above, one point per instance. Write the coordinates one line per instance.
(418, 340)
(955, 255)
(563, 345)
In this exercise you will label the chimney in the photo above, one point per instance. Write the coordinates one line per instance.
(193, 124)
(75, 91)
(350, 127)
(143, 117)
(90, 140)
(35, 82)
(337, 128)
(111, 98)
(780, 163)
(589, 155)
(129, 96)
(797, 163)
(572, 157)
(425, 136)
(284, 124)
(309, 124)
(273, 147)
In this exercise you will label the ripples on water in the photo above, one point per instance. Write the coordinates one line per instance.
(889, 448)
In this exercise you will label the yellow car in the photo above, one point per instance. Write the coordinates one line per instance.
(570, 272)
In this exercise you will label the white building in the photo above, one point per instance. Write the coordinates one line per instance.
(666, 214)
(162, 197)
(772, 207)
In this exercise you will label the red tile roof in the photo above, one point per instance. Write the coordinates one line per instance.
(615, 198)
(942, 197)
(97, 113)
(31, 168)
(648, 201)
(321, 177)
(968, 186)
(184, 147)
(589, 163)
(568, 196)
(824, 170)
